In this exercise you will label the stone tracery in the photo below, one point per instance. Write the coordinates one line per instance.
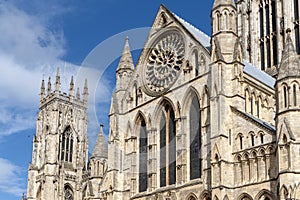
(164, 63)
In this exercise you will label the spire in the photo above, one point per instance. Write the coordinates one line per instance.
(290, 63)
(78, 94)
(71, 90)
(218, 3)
(100, 149)
(126, 61)
(49, 86)
(57, 81)
(85, 92)
(42, 94)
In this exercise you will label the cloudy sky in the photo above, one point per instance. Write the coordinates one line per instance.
(83, 38)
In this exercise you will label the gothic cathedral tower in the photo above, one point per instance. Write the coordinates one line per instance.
(59, 158)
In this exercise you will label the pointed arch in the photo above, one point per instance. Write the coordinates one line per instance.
(66, 145)
(225, 19)
(226, 197)
(264, 194)
(141, 131)
(245, 196)
(162, 19)
(284, 96)
(167, 136)
(205, 195)
(159, 108)
(195, 138)
(140, 115)
(191, 196)
(195, 62)
(218, 21)
(295, 93)
(283, 192)
(68, 192)
(251, 135)
(186, 103)
(240, 137)
(261, 135)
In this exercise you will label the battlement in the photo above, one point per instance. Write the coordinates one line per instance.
(70, 97)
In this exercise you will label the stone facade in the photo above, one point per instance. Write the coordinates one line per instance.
(194, 119)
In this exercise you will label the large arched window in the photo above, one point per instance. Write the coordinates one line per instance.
(143, 157)
(68, 193)
(195, 139)
(66, 145)
(167, 146)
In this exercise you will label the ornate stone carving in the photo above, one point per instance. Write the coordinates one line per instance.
(164, 64)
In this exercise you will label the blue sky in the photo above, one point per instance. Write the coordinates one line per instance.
(38, 36)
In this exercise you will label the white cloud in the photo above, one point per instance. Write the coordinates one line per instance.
(28, 49)
(26, 40)
(10, 180)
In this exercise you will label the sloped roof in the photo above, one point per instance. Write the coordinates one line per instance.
(100, 149)
(290, 62)
(254, 119)
(258, 74)
(126, 61)
(203, 38)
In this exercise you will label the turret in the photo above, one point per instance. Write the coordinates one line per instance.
(125, 68)
(49, 86)
(78, 94)
(288, 115)
(60, 145)
(85, 92)
(71, 90)
(287, 87)
(42, 93)
(225, 42)
(100, 149)
(57, 81)
(98, 160)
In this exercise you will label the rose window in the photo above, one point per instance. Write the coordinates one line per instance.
(164, 64)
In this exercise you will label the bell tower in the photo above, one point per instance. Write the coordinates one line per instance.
(60, 144)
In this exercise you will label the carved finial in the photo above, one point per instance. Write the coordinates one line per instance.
(71, 90)
(85, 92)
(101, 128)
(78, 94)
(42, 94)
(49, 86)
(57, 81)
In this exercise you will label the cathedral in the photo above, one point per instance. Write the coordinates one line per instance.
(198, 117)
